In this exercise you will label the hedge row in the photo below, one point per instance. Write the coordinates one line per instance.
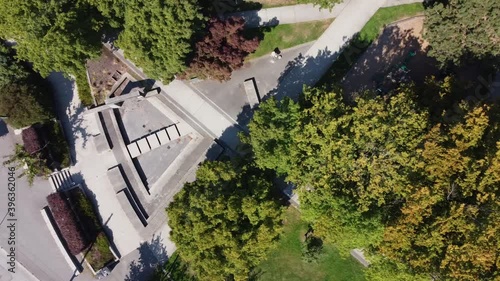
(57, 143)
(67, 223)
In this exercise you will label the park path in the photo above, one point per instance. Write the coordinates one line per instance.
(302, 13)
(309, 68)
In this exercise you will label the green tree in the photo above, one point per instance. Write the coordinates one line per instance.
(10, 69)
(34, 163)
(53, 35)
(224, 222)
(157, 35)
(449, 225)
(463, 28)
(23, 105)
(271, 134)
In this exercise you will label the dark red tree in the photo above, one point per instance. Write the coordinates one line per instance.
(31, 140)
(222, 50)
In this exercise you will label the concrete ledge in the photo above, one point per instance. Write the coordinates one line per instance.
(131, 210)
(358, 254)
(59, 244)
(143, 146)
(172, 132)
(115, 177)
(163, 137)
(153, 141)
(133, 150)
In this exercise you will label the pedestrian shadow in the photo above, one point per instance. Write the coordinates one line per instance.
(152, 255)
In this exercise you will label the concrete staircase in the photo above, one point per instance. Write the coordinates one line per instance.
(61, 180)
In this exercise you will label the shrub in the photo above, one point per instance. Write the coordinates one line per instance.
(83, 87)
(23, 104)
(100, 255)
(67, 223)
(85, 211)
(57, 143)
(36, 164)
(31, 140)
(312, 249)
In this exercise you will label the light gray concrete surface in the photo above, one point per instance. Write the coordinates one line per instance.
(141, 118)
(202, 115)
(20, 274)
(230, 95)
(307, 70)
(35, 247)
(155, 162)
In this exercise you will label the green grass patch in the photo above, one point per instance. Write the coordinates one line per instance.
(83, 86)
(287, 35)
(366, 36)
(286, 262)
(100, 255)
(386, 16)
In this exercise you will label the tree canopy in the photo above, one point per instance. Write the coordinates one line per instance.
(461, 29)
(157, 35)
(418, 193)
(23, 100)
(222, 50)
(53, 35)
(224, 222)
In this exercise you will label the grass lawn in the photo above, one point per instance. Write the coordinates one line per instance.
(388, 15)
(285, 262)
(288, 35)
(366, 36)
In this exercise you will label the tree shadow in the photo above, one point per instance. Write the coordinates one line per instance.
(152, 254)
(4, 130)
(301, 71)
(78, 179)
(70, 115)
(397, 56)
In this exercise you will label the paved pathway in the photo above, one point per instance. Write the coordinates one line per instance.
(302, 13)
(287, 14)
(309, 68)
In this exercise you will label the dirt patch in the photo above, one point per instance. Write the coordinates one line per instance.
(398, 55)
(103, 74)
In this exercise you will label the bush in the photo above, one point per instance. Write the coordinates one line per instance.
(31, 140)
(83, 87)
(312, 249)
(57, 143)
(36, 165)
(85, 211)
(67, 223)
(23, 104)
(99, 254)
